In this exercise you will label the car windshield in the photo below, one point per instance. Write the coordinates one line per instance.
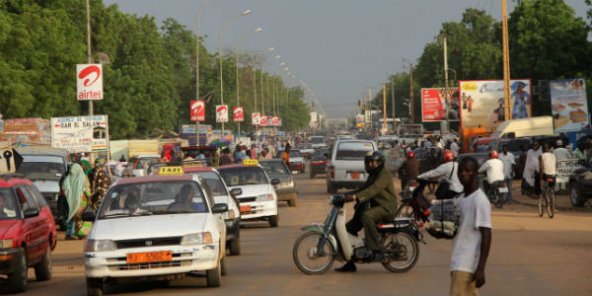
(215, 183)
(515, 144)
(353, 150)
(153, 198)
(275, 168)
(321, 153)
(244, 176)
(317, 140)
(9, 209)
(295, 153)
(42, 170)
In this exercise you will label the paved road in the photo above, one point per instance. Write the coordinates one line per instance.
(530, 256)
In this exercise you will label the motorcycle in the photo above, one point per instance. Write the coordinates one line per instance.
(316, 250)
(497, 193)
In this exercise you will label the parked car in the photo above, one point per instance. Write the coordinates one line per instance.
(156, 227)
(306, 149)
(297, 161)
(46, 167)
(580, 186)
(318, 162)
(285, 190)
(346, 168)
(27, 232)
(317, 142)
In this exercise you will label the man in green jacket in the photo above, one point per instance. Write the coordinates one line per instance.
(376, 202)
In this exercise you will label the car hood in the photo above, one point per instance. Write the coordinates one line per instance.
(7, 227)
(254, 190)
(47, 186)
(129, 228)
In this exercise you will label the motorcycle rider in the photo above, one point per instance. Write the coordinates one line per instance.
(448, 169)
(409, 169)
(376, 202)
(494, 168)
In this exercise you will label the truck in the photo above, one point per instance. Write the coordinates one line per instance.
(525, 127)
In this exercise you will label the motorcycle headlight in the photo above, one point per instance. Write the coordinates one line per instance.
(265, 197)
(6, 243)
(201, 238)
(99, 245)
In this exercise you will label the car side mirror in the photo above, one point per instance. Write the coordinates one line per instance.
(275, 181)
(236, 192)
(31, 212)
(89, 216)
(219, 208)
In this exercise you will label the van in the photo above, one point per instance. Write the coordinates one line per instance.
(525, 127)
(346, 168)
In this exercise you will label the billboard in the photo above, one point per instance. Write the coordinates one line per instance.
(255, 118)
(80, 133)
(221, 113)
(433, 104)
(238, 114)
(89, 82)
(264, 120)
(197, 110)
(482, 102)
(568, 101)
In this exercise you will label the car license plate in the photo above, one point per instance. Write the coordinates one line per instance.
(503, 189)
(148, 257)
(245, 209)
(355, 175)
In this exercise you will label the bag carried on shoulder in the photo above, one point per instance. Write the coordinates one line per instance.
(443, 191)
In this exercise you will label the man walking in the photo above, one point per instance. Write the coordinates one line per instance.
(509, 164)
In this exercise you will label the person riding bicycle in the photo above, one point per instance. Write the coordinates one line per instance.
(494, 169)
(448, 169)
(409, 170)
(376, 201)
(548, 166)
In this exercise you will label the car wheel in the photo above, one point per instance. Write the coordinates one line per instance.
(43, 268)
(273, 221)
(331, 188)
(94, 287)
(575, 196)
(235, 246)
(223, 266)
(214, 276)
(17, 280)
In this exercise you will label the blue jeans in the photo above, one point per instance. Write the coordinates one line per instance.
(509, 182)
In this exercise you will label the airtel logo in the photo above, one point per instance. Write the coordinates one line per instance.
(88, 71)
(197, 106)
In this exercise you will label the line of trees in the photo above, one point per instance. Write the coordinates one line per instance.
(547, 41)
(149, 78)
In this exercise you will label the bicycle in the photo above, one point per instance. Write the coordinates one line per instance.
(547, 198)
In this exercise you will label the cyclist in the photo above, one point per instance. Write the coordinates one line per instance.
(494, 168)
(548, 163)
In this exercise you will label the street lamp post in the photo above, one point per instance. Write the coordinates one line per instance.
(197, 42)
(221, 41)
(257, 30)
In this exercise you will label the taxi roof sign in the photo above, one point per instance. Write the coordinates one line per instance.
(170, 171)
(249, 161)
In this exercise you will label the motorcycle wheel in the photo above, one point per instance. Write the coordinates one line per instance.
(499, 200)
(306, 257)
(405, 250)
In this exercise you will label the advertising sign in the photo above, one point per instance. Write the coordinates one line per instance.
(482, 102)
(7, 158)
(89, 82)
(237, 114)
(263, 120)
(255, 118)
(433, 104)
(80, 133)
(197, 110)
(221, 113)
(27, 130)
(276, 121)
(568, 101)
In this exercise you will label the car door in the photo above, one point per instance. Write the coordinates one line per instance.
(45, 214)
(218, 218)
(34, 225)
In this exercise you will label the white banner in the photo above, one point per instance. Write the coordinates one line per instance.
(89, 82)
(221, 113)
(255, 118)
(80, 133)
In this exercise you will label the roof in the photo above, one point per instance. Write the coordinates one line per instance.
(237, 166)
(11, 180)
(149, 179)
(197, 169)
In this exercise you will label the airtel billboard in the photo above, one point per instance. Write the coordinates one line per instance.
(89, 82)
(197, 110)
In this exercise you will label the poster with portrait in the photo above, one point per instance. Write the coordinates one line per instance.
(569, 105)
(433, 104)
(482, 102)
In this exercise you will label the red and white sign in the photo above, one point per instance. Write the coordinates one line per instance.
(263, 120)
(197, 110)
(275, 121)
(433, 105)
(237, 114)
(221, 113)
(255, 118)
(89, 82)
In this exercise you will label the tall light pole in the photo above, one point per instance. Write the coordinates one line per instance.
(197, 42)
(506, 60)
(257, 30)
(88, 49)
(221, 40)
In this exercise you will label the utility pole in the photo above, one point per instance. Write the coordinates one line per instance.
(506, 58)
(393, 100)
(197, 41)
(411, 108)
(369, 108)
(88, 50)
(444, 122)
(384, 126)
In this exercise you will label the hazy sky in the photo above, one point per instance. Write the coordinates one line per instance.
(340, 48)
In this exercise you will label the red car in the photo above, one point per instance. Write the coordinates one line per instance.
(27, 232)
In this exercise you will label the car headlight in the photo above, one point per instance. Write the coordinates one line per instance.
(201, 238)
(230, 214)
(265, 197)
(99, 245)
(6, 243)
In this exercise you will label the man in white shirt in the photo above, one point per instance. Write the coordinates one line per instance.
(470, 246)
(561, 153)
(493, 168)
(509, 163)
(531, 168)
(446, 170)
